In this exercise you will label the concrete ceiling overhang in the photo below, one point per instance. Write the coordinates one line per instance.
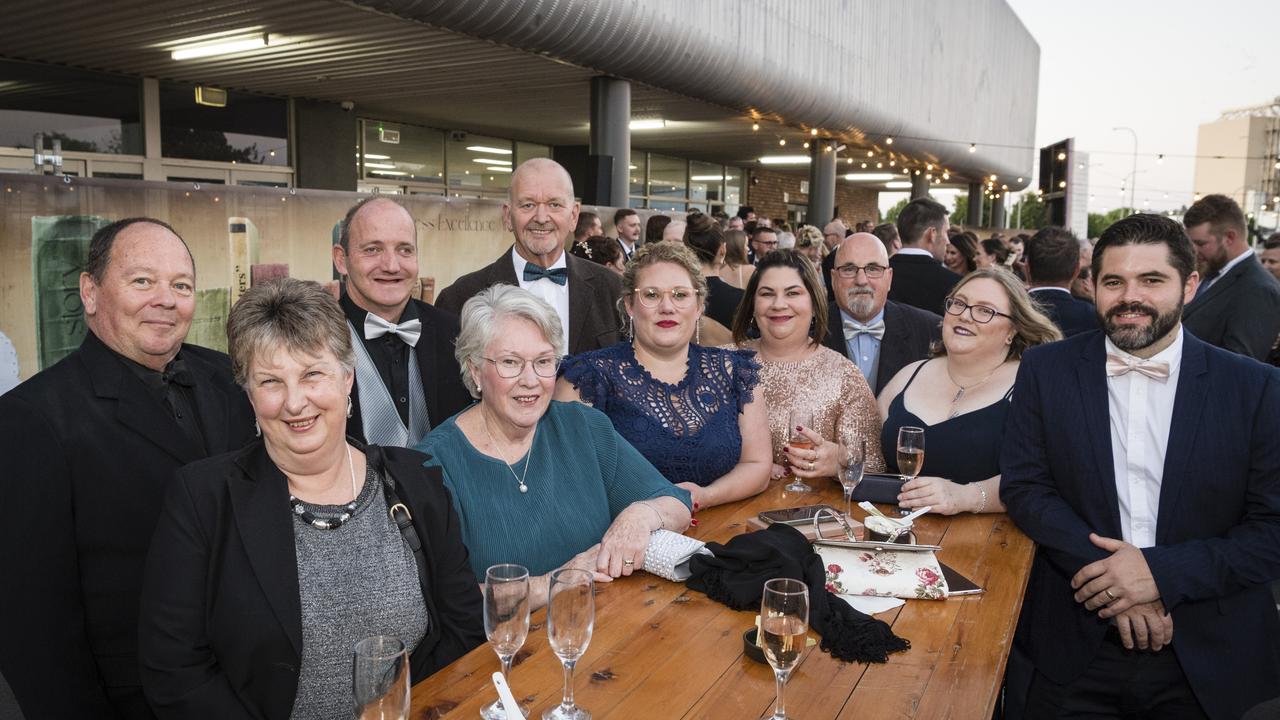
(511, 69)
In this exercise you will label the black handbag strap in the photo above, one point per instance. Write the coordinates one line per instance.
(400, 515)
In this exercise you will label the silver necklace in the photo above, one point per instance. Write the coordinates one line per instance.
(484, 420)
(960, 394)
(331, 523)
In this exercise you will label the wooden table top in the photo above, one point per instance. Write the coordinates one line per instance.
(661, 650)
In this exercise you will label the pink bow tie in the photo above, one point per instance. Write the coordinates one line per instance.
(1118, 365)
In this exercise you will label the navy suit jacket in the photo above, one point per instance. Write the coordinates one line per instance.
(909, 333)
(1072, 315)
(1218, 526)
(1240, 312)
(920, 281)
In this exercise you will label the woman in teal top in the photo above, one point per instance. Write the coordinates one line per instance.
(542, 484)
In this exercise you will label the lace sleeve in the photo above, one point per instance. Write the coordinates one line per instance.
(587, 375)
(746, 375)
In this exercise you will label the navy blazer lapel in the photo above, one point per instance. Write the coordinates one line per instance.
(1188, 404)
(1220, 286)
(1092, 376)
(260, 501)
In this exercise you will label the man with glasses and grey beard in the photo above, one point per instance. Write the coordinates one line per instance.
(878, 335)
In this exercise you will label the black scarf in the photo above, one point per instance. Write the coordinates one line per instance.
(736, 573)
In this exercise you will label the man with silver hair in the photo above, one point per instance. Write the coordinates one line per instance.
(541, 213)
(878, 335)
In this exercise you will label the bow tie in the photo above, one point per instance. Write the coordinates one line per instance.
(409, 331)
(532, 272)
(176, 372)
(1118, 365)
(853, 329)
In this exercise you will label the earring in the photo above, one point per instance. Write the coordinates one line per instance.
(631, 326)
(697, 332)
(257, 431)
(349, 406)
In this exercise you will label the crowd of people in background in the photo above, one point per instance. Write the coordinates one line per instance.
(595, 384)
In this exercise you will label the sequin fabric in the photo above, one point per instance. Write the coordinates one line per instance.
(830, 386)
(689, 430)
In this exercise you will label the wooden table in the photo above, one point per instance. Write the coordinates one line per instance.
(663, 651)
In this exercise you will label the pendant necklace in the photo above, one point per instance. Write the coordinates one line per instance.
(331, 523)
(484, 420)
(964, 388)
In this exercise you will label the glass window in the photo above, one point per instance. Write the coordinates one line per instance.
(636, 202)
(638, 172)
(732, 189)
(251, 129)
(88, 112)
(416, 156)
(706, 182)
(478, 165)
(525, 150)
(667, 180)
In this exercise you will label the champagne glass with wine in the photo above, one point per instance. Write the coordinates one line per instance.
(796, 441)
(784, 624)
(506, 622)
(570, 619)
(910, 454)
(851, 473)
(380, 678)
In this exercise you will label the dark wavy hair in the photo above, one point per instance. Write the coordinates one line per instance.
(812, 280)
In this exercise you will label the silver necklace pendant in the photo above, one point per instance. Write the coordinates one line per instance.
(524, 488)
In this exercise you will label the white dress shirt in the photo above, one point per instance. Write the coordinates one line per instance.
(1141, 410)
(555, 294)
(916, 251)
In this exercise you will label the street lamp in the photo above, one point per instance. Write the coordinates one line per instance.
(1134, 178)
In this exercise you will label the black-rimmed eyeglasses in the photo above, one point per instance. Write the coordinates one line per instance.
(510, 366)
(849, 271)
(980, 313)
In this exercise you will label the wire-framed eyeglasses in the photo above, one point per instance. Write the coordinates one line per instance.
(979, 313)
(510, 366)
(849, 271)
(681, 297)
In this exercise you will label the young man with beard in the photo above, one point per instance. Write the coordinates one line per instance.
(1145, 464)
(878, 335)
(1238, 304)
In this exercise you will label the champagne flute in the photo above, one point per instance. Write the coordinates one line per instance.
(506, 622)
(380, 678)
(784, 623)
(570, 619)
(851, 474)
(910, 455)
(796, 441)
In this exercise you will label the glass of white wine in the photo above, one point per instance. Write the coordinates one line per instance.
(380, 678)
(570, 620)
(506, 622)
(796, 441)
(910, 455)
(784, 624)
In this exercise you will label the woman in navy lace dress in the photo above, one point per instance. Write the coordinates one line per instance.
(690, 410)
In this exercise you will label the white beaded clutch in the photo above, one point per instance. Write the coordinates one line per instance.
(668, 554)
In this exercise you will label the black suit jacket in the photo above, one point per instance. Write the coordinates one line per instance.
(1072, 315)
(908, 335)
(593, 299)
(221, 628)
(1218, 525)
(1239, 312)
(87, 452)
(920, 281)
(441, 378)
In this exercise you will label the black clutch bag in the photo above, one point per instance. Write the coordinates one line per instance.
(878, 488)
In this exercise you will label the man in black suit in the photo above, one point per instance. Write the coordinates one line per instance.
(627, 227)
(541, 213)
(878, 335)
(764, 240)
(1052, 256)
(1145, 464)
(833, 233)
(87, 448)
(921, 280)
(1238, 304)
(407, 379)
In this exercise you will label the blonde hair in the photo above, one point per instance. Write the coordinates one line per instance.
(674, 253)
(1031, 326)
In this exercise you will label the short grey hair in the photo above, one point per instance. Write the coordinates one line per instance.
(297, 315)
(481, 316)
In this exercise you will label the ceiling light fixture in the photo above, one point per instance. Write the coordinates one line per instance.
(371, 156)
(491, 161)
(486, 149)
(898, 185)
(784, 160)
(648, 124)
(498, 168)
(226, 46)
(870, 177)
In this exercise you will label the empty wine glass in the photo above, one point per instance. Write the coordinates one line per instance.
(851, 474)
(380, 678)
(910, 455)
(796, 441)
(570, 620)
(784, 624)
(506, 622)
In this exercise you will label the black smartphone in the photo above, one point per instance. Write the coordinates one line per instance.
(795, 515)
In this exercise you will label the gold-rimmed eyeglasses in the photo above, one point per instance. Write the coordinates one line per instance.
(510, 366)
(682, 297)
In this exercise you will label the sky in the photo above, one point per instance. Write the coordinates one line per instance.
(1161, 68)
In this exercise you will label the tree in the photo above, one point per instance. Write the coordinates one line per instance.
(1028, 212)
(892, 215)
(1101, 221)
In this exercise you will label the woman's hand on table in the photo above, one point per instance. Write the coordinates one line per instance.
(623, 545)
(778, 472)
(697, 496)
(822, 461)
(946, 497)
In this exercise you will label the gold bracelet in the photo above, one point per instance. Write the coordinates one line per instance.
(661, 522)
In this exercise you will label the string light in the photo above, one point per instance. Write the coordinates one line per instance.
(973, 148)
(1160, 159)
(1062, 156)
(782, 141)
(755, 127)
(888, 141)
(814, 132)
(806, 144)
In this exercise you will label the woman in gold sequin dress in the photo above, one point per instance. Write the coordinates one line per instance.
(786, 301)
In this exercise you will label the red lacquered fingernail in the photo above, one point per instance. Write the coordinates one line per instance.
(799, 428)
(696, 505)
(786, 449)
(693, 522)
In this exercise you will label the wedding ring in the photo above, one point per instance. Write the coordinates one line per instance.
(628, 563)
(1110, 595)
(810, 467)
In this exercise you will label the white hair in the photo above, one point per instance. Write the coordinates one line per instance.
(481, 316)
(786, 240)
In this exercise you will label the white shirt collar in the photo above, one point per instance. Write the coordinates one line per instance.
(1050, 287)
(916, 251)
(1171, 354)
(1232, 263)
(518, 262)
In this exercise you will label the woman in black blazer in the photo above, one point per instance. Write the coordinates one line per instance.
(269, 563)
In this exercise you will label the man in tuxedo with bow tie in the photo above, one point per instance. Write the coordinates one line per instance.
(1145, 464)
(407, 378)
(878, 335)
(88, 447)
(1237, 306)
(541, 213)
